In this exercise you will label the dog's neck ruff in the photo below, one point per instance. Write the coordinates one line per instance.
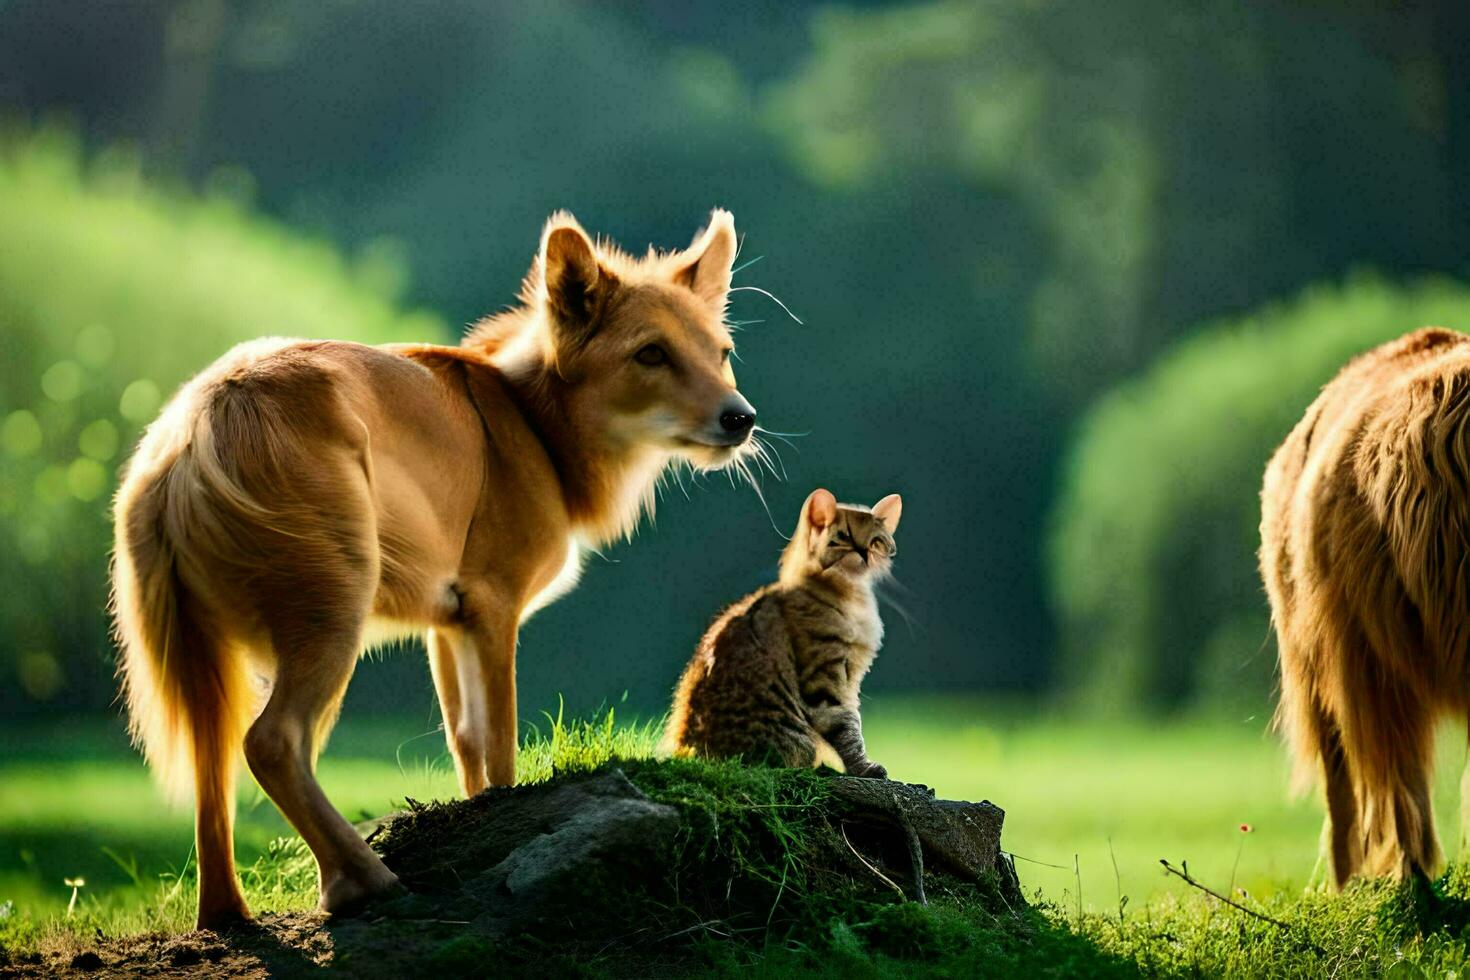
(608, 488)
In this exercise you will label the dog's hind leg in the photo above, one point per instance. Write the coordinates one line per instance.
(312, 674)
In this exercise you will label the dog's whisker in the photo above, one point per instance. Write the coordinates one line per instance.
(745, 265)
(742, 466)
(769, 295)
(785, 437)
(762, 461)
(764, 457)
(767, 450)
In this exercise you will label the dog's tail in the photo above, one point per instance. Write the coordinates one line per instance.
(187, 688)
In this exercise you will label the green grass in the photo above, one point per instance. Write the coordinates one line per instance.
(1090, 803)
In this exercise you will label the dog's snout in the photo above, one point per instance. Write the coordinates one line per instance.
(736, 422)
(737, 416)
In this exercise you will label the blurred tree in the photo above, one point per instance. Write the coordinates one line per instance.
(1154, 539)
(984, 214)
(1181, 160)
(111, 294)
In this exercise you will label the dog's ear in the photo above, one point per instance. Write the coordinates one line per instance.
(710, 258)
(574, 283)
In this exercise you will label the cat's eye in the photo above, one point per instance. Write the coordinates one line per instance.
(842, 537)
(651, 355)
(725, 354)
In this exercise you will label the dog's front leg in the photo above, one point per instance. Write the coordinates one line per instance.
(488, 688)
(456, 670)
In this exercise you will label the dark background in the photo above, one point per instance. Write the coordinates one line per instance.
(987, 216)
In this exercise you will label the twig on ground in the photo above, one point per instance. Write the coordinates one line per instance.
(1193, 882)
(1044, 864)
(866, 863)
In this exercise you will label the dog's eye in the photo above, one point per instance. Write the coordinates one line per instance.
(651, 355)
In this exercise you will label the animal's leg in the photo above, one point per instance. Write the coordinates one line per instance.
(281, 749)
(1341, 834)
(216, 755)
(461, 702)
(792, 747)
(1389, 739)
(1314, 734)
(491, 653)
(842, 727)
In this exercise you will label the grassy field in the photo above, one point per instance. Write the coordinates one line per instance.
(1091, 807)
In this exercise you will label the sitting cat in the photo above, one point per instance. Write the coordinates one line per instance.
(776, 677)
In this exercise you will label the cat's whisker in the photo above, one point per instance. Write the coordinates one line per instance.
(889, 582)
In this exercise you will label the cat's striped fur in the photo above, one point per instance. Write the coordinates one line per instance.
(777, 677)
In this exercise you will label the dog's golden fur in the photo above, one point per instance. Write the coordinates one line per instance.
(295, 493)
(1365, 536)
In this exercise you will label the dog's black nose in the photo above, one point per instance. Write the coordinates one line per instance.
(737, 422)
(737, 417)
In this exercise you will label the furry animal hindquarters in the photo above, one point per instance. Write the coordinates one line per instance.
(1365, 528)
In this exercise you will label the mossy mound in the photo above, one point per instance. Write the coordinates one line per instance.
(646, 868)
(645, 854)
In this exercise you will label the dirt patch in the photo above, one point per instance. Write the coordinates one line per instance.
(630, 867)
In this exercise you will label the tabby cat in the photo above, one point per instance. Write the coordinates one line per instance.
(776, 678)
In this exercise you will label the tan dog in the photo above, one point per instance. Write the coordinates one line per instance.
(1365, 550)
(298, 491)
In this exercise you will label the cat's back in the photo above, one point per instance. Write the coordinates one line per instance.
(743, 660)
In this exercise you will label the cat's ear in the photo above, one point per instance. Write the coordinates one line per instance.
(573, 282)
(820, 509)
(711, 258)
(889, 510)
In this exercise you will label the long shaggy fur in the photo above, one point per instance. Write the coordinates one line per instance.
(1365, 535)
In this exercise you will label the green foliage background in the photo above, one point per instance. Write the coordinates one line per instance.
(987, 216)
(111, 294)
(1156, 530)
